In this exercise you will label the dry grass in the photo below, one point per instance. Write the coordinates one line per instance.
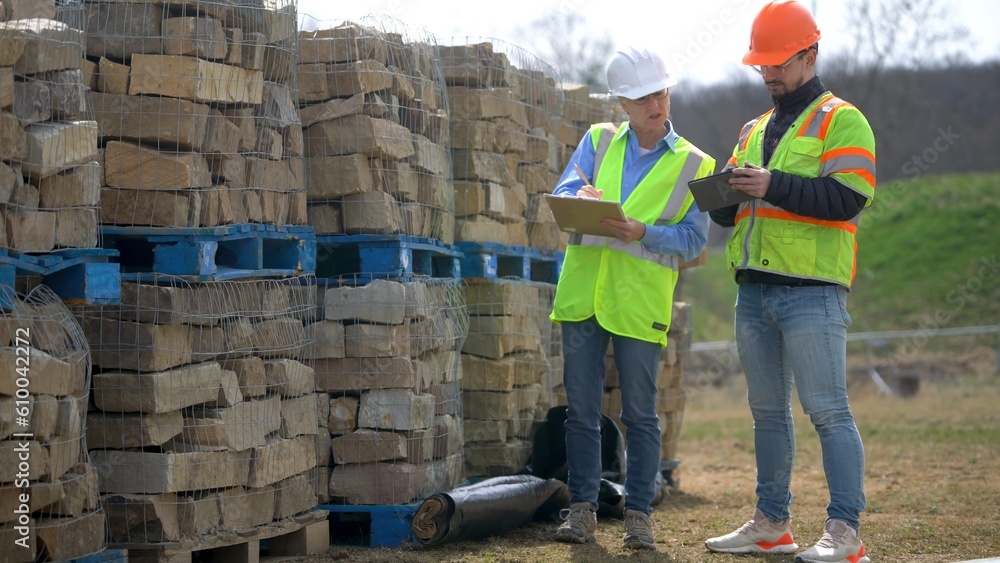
(931, 483)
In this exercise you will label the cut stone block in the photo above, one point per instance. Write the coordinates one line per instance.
(76, 228)
(358, 134)
(281, 459)
(159, 392)
(236, 428)
(327, 340)
(378, 483)
(243, 509)
(11, 466)
(195, 79)
(298, 416)
(343, 416)
(379, 301)
(359, 77)
(150, 473)
(112, 78)
(52, 147)
(495, 337)
(292, 496)
(289, 378)
(197, 37)
(362, 340)
(358, 374)
(128, 165)
(331, 109)
(154, 208)
(49, 45)
(49, 375)
(77, 187)
(70, 538)
(396, 409)
(110, 430)
(29, 231)
(366, 446)
(151, 119)
(331, 177)
(120, 29)
(144, 518)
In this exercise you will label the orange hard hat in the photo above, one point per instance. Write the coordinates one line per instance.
(781, 29)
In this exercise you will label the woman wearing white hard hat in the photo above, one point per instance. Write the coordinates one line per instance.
(620, 289)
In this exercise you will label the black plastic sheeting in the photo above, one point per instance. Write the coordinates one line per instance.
(487, 508)
(494, 506)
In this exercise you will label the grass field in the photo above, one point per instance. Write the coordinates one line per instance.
(931, 484)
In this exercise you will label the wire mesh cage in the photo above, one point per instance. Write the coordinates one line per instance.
(49, 508)
(196, 108)
(388, 367)
(505, 109)
(205, 415)
(580, 110)
(376, 130)
(506, 375)
(49, 172)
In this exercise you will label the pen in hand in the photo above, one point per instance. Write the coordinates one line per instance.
(588, 189)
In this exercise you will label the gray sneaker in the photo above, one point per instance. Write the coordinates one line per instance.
(758, 535)
(579, 524)
(638, 530)
(839, 544)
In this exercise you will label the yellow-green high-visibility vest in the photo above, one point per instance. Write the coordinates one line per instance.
(830, 138)
(629, 289)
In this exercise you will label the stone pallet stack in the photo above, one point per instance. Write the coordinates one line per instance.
(48, 488)
(48, 140)
(504, 118)
(196, 108)
(387, 363)
(505, 373)
(204, 419)
(580, 110)
(376, 133)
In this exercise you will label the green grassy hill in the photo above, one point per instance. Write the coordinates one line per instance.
(929, 257)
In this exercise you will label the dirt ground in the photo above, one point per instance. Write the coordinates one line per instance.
(931, 484)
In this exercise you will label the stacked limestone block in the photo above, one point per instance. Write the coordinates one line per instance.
(49, 506)
(504, 117)
(48, 140)
(196, 109)
(204, 419)
(387, 363)
(505, 374)
(580, 110)
(376, 133)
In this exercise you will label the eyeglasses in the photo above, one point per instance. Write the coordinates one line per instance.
(655, 95)
(778, 70)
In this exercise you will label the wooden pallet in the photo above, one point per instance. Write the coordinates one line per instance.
(213, 253)
(371, 526)
(362, 258)
(306, 534)
(491, 260)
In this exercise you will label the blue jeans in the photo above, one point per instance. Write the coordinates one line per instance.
(585, 345)
(783, 331)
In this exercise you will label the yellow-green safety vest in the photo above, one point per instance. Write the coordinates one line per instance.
(830, 138)
(629, 289)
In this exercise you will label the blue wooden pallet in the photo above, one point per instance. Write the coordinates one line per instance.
(492, 260)
(77, 275)
(106, 556)
(371, 526)
(363, 258)
(213, 253)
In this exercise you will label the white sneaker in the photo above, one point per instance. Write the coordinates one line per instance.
(839, 544)
(759, 535)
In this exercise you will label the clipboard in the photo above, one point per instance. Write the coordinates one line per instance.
(583, 215)
(713, 192)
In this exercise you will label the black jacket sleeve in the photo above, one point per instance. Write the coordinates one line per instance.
(822, 198)
(724, 216)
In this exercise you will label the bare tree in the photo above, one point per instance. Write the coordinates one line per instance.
(559, 38)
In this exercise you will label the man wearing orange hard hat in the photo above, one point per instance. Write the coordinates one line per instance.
(809, 164)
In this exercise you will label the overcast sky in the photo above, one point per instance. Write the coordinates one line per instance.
(705, 39)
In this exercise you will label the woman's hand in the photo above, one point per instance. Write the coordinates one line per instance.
(589, 191)
(629, 230)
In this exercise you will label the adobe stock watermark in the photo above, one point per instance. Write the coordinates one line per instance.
(703, 36)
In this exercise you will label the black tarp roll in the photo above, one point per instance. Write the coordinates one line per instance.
(488, 508)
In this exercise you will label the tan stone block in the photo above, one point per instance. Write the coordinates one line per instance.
(195, 79)
(195, 36)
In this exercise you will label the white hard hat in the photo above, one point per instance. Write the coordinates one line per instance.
(633, 73)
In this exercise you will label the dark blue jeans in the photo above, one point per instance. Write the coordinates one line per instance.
(585, 345)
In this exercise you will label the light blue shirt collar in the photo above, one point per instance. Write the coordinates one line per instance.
(670, 138)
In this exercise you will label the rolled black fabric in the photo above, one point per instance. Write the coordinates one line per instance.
(488, 508)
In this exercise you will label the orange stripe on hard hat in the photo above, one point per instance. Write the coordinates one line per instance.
(770, 213)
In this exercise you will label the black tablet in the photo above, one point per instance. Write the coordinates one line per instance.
(713, 192)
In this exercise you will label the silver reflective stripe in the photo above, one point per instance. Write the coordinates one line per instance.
(746, 131)
(849, 162)
(607, 135)
(812, 129)
(691, 165)
(634, 249)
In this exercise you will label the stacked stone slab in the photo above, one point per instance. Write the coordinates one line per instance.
(49, 508)
(580, 110)
(204, 419)
(48, 140)
(505, 373)
(387, 363)
(196, 110)
(376, 133)
(504, 120)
